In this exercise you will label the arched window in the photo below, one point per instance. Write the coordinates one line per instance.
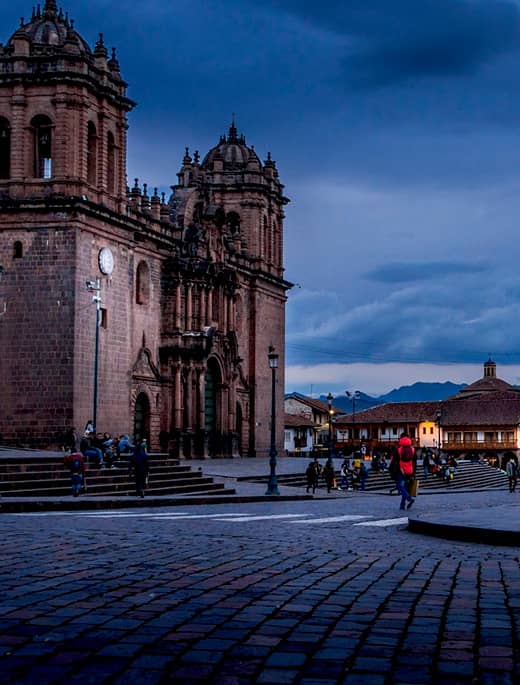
(264, 240)
(91, 153)
(17, 250)
(5, 148)
(142, 286)
(111, 163)
(42, 127)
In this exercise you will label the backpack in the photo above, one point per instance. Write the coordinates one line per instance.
(76, 465)
(406, 453)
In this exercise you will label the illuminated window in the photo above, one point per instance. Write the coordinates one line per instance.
(42, 128)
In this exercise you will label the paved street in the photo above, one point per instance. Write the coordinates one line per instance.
(309, 592)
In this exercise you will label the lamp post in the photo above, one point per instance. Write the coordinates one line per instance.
(438, 416)
(95, 287)
(355, 396)
(272, 486)
(330, 398)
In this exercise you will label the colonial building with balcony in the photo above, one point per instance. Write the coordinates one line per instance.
(315, 413)
(483, 419)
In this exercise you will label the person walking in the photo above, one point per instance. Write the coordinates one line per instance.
(328, 474)
(312, 477)
(426, 463)
(363, 475)
(512, 474)
(404, 476)
(345, 473)
(140, 464)
(75, 462)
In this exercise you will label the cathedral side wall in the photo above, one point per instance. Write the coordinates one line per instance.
(36, 329)
(128, 327)
(269, 330)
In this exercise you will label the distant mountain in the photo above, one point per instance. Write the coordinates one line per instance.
(422, 392)
(418, 392)
(344, 403)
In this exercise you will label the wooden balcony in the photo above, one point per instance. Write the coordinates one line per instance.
(479, 446)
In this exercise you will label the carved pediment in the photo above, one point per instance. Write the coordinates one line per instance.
(144, 366)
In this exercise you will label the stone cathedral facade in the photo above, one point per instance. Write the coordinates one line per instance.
(191, 286)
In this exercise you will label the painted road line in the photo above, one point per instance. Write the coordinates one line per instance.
(382, 523)
(332, 519)
(243, 519)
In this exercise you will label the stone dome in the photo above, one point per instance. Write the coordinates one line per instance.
(232, 151)
(50, 28)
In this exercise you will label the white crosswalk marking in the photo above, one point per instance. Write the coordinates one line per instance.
(227, 517)
(332, 519)
(384, 522)
(242, 519)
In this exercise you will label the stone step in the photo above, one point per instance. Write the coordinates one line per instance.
(46, 476)
(127, 488)
(469, 476)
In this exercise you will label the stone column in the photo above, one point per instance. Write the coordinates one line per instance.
(177, 403)
(224, 310)
(21, 137)
(202, 307)
(178, 305)
(209, 308)
(189, 306)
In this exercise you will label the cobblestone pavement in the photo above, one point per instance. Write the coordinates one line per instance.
(315, 592)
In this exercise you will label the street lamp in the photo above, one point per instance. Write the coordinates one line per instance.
(95, 287)
(330, 398)
(355, 396)
(438, 416)
(272, 486)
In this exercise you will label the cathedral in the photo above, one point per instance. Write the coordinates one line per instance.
(150, 315)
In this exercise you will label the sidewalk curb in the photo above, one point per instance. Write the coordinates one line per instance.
(84, 504)
(489, 536)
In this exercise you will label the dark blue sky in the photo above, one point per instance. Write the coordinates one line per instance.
(395, 126)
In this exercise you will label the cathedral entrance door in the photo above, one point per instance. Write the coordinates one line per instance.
(142, 419)
(210, 408)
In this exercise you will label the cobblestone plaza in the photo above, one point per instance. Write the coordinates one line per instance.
(310, 592)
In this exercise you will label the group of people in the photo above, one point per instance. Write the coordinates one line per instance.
(103, 450)
(439, 466)
(354, 474)
(315, 471)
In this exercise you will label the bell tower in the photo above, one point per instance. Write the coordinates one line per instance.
(63, 113)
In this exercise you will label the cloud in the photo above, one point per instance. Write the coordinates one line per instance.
(390, 42)
(402, 272)
(446, 322)
(378, 379)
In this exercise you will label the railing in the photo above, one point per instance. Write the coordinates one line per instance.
(483, 445)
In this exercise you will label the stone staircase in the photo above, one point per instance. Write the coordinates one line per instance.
(470, 476)
(41, 476)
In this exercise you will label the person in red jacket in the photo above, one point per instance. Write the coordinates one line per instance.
(404, 476)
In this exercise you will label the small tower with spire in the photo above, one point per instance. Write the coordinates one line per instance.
(490, 369)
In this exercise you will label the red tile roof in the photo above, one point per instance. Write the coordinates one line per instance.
(392, 412)
(297, 421)
(318, 405)
(498, 409)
